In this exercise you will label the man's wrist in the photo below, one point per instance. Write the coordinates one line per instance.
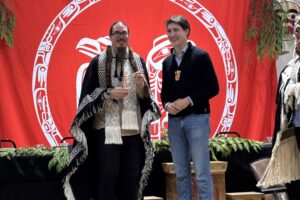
(107, 94)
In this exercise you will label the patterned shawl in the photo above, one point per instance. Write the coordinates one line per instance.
(92, 100)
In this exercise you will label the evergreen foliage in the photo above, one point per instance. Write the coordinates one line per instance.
(59, 161)
(267, 26)
(7, 23)
(223, 146)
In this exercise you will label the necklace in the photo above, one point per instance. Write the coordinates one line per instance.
(177, 75)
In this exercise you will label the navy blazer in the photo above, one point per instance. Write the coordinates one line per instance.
(198, 80)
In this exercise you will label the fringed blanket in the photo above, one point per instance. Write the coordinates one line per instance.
(92, 100)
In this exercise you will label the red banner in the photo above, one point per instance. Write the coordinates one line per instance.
(55, 40)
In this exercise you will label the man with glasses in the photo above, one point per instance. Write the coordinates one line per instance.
(189, 81)
(112, 149)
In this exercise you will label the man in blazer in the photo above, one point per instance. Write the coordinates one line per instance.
(189, 81)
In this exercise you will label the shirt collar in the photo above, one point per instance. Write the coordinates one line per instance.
(182, 51)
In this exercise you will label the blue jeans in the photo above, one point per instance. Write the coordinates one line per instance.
(189, 137)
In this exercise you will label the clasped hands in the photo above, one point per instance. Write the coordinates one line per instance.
(121, 92)
(177, 106)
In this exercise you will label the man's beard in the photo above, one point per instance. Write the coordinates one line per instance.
(121, 52)
(120, 60)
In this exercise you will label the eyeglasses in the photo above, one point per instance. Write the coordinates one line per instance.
(119, 34)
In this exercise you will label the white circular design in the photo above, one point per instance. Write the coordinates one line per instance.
(75, 8)
(39, 80)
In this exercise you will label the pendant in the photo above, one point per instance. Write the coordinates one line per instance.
(126, 80)
(177, 75)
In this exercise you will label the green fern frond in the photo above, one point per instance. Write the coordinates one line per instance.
(246, 145)
(232, 144)
(60, 160)
(212, 153)
(221, 140)
(239, 143)
(255, 145)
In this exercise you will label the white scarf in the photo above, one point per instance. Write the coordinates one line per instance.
(123, 114)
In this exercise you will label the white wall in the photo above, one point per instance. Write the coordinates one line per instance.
(283, 60)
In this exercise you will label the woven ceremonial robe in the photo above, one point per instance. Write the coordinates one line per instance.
(92, 101)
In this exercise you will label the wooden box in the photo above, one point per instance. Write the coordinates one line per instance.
(153, 198)
(218, 169)
(244, 196)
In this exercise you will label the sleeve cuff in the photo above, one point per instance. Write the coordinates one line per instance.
(190, 100)
(166, 105)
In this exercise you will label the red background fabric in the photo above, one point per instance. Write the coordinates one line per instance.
(22, 119)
